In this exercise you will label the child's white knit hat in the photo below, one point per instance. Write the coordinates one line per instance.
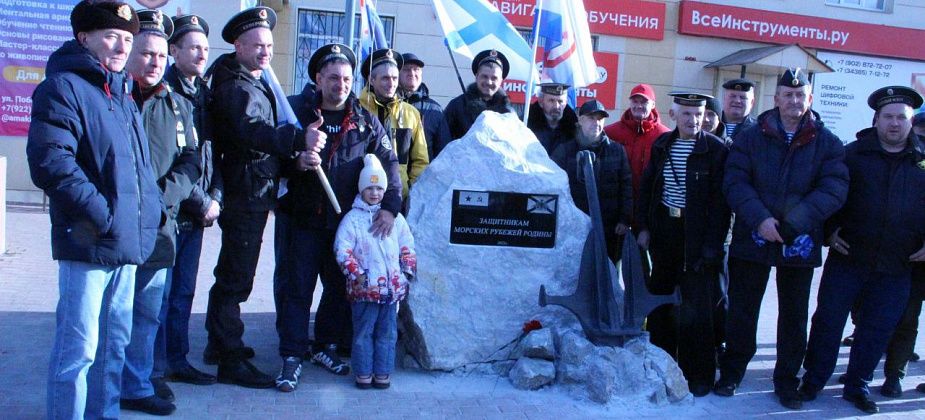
(372, 173)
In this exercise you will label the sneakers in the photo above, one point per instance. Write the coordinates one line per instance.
(327, 357)
(288, 378)
(363, 382)
(381, 381)
(151, 405)
(245, 374)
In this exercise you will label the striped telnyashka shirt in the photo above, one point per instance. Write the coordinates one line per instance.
(675, 173)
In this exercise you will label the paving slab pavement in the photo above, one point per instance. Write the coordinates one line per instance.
(28, 278)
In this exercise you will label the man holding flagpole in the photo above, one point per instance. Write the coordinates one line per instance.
(250, 143)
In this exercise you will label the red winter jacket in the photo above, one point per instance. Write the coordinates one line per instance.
(637, 138)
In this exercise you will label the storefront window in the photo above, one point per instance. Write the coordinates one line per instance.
(321, 27)
(879, 5)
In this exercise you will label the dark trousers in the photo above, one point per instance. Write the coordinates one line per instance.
(747, 283)
(883, 303)
(685, 332)
(180, 299)
(902, 344)
(242, 235)
(302, 255)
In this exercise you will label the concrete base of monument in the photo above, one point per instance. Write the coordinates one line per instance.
(493, 220)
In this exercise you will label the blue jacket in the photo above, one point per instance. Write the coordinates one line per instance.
(88, 152)
(800, 185)
(883, 220)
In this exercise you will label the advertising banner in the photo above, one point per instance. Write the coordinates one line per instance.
(629, 18)
(841, 97)
(604, 90)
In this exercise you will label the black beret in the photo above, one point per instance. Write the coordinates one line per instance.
(593, 107)
(712, 105)
(188, 23)
(90, 15)
(491, 56)
(690, 98)
(742, 85)
(385, 55)
(255, 17)
(554, 88)
(150, 20)
(329, 52)
(892, 95)
(410, 58)
(793, 78)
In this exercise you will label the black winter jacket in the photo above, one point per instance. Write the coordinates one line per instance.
(800, 185)
(613, 176)
(883, 219)
(247, 140)
(464, 109)
(436, 130)
(706, 215)
(342, 162)
(200, 199)
(548, 137)
(88, 152)
(174, 159)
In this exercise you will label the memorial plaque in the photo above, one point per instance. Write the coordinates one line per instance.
(495, 218)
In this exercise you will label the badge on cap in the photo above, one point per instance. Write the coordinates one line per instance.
(388, 53)
(889, 91)
(159, 18)
(374, 179)
(335, 49)
(796, 79)
(738, 87)
(493, 53)
(125, 12)
(262, 14)
(194, 20)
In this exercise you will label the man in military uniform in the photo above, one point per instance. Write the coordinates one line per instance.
(189, 46)
(250, 143)
(172, 142)
(683, 221)
(415, 93)
(340, 133)
(611, 169)
(490, 68)
(738, 100)
(401, 121)
(784, 177)
(552, 119)
(874, 241)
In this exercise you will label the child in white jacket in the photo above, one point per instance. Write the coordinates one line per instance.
(378, 271)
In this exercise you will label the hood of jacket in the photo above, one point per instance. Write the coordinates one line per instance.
(423, 93)
(644, 126)
(771, 126)
(361, 205)
(75, 58)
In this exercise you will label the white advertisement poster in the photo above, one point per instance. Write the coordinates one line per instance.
(841, 97)
(170, 7)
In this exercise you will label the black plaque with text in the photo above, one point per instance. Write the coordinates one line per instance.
(503, 219)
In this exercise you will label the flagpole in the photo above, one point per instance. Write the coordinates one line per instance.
(350, 9)
(528, 96)
(455, 68)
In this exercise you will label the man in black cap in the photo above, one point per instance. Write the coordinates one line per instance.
(682, 223)
(401, 121)
(552, 120)
(189, 46)
(874, 240)
(611, 169)
(340, 134)
(738, 100)
(415, 93)
(172, 142)
(249, 143)
(490, 68)
(711, 118)
(784, 177)
(88, 152)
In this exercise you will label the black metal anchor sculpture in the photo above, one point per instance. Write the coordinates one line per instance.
(607, 314)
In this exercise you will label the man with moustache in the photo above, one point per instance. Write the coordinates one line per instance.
(683, 221)
(490, 68)
(552, 120)
(784, 177)
(738, 100)
(250, 143)
(189, 46)
(874, 240)
(172, 142)
(88, 152)
(340, 133)
(415, 93)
